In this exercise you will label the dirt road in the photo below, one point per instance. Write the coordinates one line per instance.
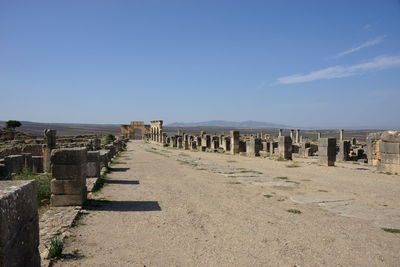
(168, 207)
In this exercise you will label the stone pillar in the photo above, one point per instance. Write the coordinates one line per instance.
(186, 142)
(285, 147)
(93, 164)
(253, 147)
(390, 152)
(49, 144)
(319, 135)
(353, 141)
(344, 150)
(179, 142)
(37, 164)
(291, 135)
(280, 132)
(297, 136)
(341, 134)
(68, 186)
(327, 151)
(235, 137)
(373, 148)
(174, 141)
(19, 224)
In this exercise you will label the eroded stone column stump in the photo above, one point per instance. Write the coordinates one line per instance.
(285, 147)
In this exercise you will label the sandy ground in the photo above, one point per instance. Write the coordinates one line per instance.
(168, 207)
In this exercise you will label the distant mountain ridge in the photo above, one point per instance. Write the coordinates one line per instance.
(240, 124)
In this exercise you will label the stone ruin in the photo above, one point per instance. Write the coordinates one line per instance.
(380, 149)
(70, 161)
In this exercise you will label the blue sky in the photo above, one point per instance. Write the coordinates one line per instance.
(300, 63)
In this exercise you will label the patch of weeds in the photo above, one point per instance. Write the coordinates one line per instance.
(295, 211)
(232, 176)
(231, 161)
(201, 169)
(292, 165)
(279, 158)
(43, 182)
(249, 171)
(234, 182)
(321, 190)
(56, 248)
(268, 196)
(391, 230)
(282, 177)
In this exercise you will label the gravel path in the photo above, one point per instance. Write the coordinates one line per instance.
(164, 207)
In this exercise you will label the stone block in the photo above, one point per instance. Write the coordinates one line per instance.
(285, 147)
(327, 151)
(14, 163)
(389, 148)
(68, 200)
(67, 187)
(19, 224)
(391, 136)
(69, 156)
(69, 172)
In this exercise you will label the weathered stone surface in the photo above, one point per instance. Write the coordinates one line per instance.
(69, 172)
(389, 148)
(235, 142)
(253, 147)
(327, 151)
(67, 187)
(68, 200)
(285, 147)
(14, 163)
(93, 164)
(391, 136)
(19, 227)
(344, 150)
(28, 162)
(69, 156)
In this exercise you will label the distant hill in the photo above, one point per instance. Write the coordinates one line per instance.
(37, 128)
(241, 124)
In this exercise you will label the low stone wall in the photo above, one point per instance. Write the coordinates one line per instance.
(19, 225)
(390, 152)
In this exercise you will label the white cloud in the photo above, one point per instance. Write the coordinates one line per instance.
(369, 43)
(378, 63)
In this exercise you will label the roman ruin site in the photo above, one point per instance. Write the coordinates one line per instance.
(150, 197)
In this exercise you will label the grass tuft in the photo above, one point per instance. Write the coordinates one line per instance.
(43, 185)
(56, 248)
(282, 177)
(391, 230)
(295, 211)
(292, 165)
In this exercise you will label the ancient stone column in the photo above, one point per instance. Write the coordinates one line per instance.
(93, 164)
(297, 136)
(235, 137)
(292, 134)
(49, 144)
(280, 132)
(68, 186)
(179, 142)
(319, 135)
(19, 224)
(327, 151)
(390, 152)
(341, 134)
(344, 150)
(285, 147)
(253, 147)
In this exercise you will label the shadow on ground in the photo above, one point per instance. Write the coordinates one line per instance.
(108, 205)
(118, 169)
(107, 181)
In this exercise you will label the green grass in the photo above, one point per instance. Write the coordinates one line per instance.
(234, 182)
(391, 230)
(279, 158)
(242, 170)
(43, 185)
(231, 161)
(268, 196)
(56, 248)
(295, 211)
(292, 165)
(100, 184)
(282, 177)
(321, 190)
